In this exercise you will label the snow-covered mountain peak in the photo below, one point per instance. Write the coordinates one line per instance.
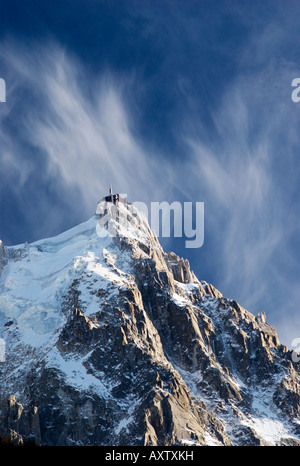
(37, 275)
(109, 340)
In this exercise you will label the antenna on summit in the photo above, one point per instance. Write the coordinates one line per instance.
(113, 198)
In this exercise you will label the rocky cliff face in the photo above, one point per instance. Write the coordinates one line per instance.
(111, 341)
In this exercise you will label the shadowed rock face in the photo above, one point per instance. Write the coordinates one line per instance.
(137, 351)
(16, 418)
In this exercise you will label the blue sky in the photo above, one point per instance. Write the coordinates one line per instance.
(168, 101)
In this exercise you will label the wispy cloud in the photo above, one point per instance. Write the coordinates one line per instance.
(244, 167)
(82, 125)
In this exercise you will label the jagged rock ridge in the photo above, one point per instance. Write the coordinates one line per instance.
(111, 341)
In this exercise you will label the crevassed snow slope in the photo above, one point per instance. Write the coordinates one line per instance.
(37, 275)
